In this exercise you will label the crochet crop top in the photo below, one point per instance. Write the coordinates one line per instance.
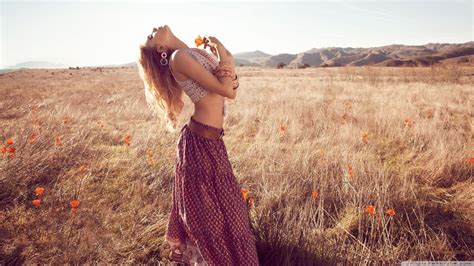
(192, 88)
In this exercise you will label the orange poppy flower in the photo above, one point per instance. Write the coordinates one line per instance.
(199, 40)
(314, 194)
(39, 191)
(82, 168)
(408, 122)
(250, 200)
(244, 192)
(74, 203)
(127, 139)
(351, 173)
(390, 212)
(11, 150)
(32, 137)
(36, 202)
(9, 141)
(470, 161)
(282, 130)
(365, 137)
(370, 209)
(4, 150)
(58, 141)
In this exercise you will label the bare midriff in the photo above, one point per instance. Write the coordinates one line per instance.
(209, 110)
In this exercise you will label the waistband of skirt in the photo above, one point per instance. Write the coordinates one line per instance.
(218, 130)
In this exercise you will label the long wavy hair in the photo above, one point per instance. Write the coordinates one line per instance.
(163, 94)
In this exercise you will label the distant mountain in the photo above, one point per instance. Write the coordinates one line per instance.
(249, 55)
(389, 55)
(36, 64)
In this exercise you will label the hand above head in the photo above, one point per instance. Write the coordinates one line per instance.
(213, 44)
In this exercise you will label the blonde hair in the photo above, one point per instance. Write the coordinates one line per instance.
(162, 92)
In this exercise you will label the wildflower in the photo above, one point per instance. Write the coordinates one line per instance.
(74, 203)
(36, 202)
(408, 122)
(126, 139)
(250, 200)
(314, 194)
(9, 141)
(470, 161)
(11, 151)
(390, 212)
(370, 209)
(365, 137)
(199, 40)
(282, 131)
(32, 137)
(351, 173)
(244, 192)
(58, 141)
(39, 191)
(82, 168)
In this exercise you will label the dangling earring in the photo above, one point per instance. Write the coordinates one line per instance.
(164, 60)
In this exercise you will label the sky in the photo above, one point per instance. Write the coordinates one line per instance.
(89, 33)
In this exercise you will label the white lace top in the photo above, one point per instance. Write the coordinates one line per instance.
(192, 88)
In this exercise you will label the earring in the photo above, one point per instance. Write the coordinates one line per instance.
(163, 60)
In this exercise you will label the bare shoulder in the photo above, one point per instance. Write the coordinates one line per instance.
(174, 58)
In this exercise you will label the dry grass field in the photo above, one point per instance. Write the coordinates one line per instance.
(349, 165)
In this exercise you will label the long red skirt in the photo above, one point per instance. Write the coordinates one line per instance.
(209, 221)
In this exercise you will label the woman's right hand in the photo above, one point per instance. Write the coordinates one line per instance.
(212, 41)
(213, 44)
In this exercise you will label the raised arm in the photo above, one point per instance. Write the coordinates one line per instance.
(189, 66)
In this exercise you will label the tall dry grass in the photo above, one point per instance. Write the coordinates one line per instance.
(417, 168)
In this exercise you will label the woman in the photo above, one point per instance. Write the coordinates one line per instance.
(208, 222)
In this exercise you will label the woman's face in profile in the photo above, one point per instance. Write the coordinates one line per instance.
(159, 36)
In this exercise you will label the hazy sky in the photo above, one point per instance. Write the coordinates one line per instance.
(82, 33)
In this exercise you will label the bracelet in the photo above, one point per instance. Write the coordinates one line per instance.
(222, 73)
(225, 74)
(223, 70)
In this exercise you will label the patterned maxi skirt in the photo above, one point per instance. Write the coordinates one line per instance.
(209, 221)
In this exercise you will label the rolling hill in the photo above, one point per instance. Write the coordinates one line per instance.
(395, 55)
